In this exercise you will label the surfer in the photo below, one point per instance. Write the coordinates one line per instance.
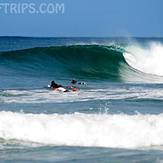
(76, 82)
(54, 85)
(73, 81)
(60, 88)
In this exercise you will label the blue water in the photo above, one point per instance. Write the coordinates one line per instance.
(116, 117)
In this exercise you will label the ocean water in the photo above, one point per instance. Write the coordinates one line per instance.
(116, 117)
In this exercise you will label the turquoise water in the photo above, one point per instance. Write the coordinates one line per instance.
(116, 117)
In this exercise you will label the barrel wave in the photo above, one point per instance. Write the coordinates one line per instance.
(82, 61)
(75, 61)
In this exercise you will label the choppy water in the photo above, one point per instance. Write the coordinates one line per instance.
(116, 117)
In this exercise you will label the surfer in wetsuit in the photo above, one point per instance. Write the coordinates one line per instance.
(54, 85)
(76, 82)
(60, 88)
(73, 81)
(57, 87)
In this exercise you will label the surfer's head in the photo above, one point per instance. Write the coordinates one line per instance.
(73, 81)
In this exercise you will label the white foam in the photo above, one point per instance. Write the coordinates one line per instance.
(46, 96)
(146, 59)
(94, 130)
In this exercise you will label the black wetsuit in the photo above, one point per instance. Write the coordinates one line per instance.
(54, 85)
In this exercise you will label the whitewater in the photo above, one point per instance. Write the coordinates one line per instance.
(146, 59)
(77, 129)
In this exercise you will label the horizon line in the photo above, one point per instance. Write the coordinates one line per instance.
(17, 36)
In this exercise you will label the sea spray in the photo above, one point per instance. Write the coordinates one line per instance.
(146, 59)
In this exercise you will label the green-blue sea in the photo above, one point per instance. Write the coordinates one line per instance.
(116, 116)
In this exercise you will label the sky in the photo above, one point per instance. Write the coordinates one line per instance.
(87, 18)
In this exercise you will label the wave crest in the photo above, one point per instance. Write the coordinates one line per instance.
(146, 59)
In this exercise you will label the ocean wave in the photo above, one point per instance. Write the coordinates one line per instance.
(77, 129)
(111, 62)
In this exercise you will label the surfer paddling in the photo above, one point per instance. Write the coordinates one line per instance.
(57, 87)
(76, 82)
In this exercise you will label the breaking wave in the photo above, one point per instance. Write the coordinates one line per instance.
(114, 63)
(77, 129)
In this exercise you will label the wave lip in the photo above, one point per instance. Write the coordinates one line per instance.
(146, 59)
(93, 130)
